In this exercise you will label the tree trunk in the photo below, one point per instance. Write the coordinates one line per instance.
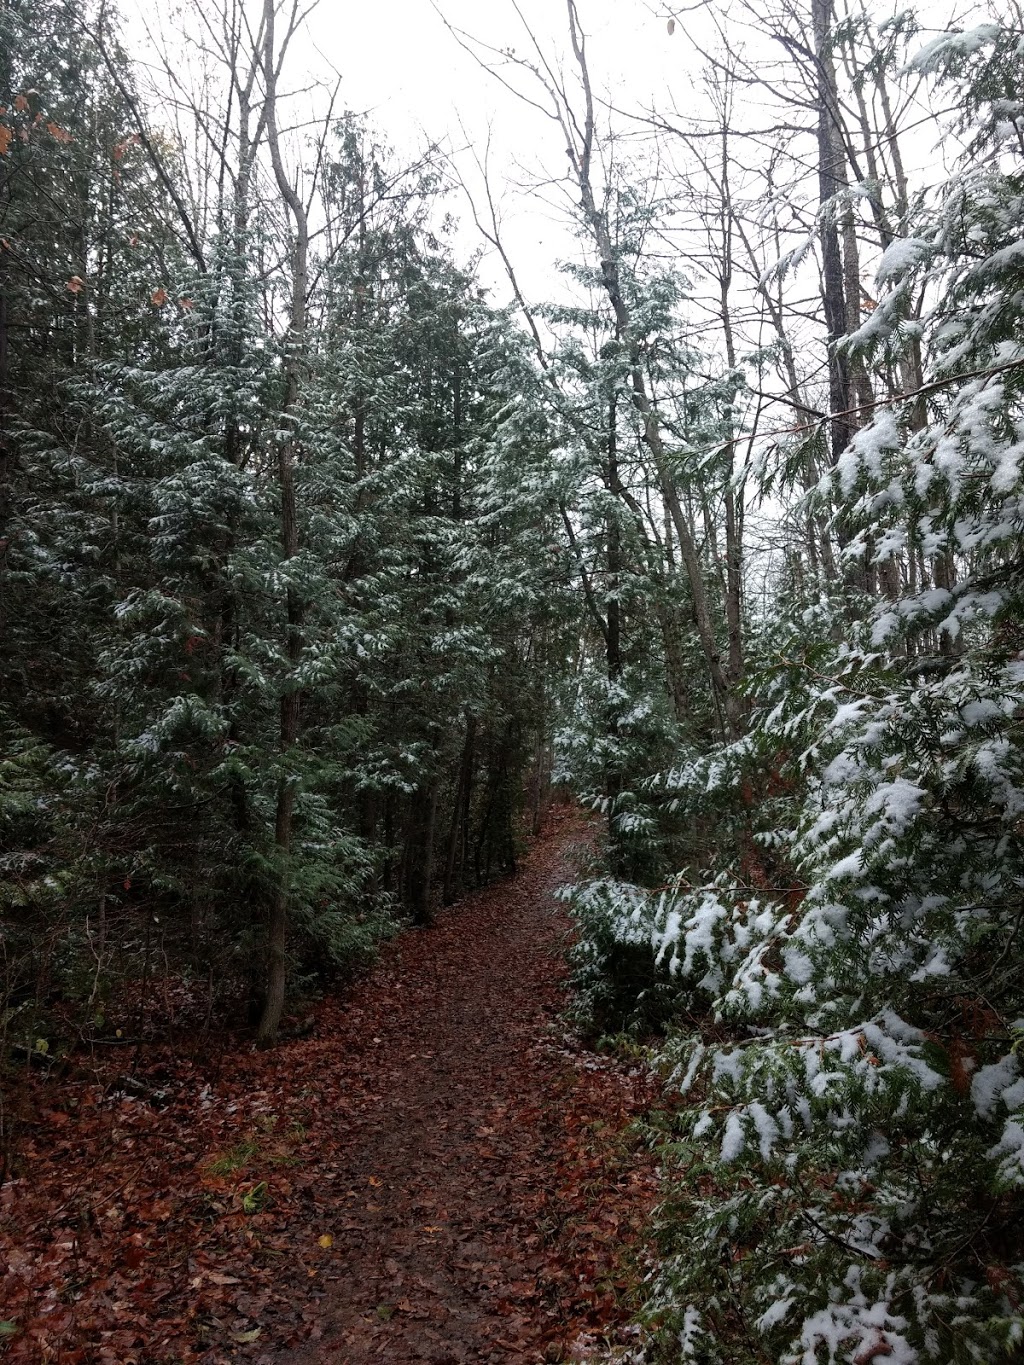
(830, 179)
(277, 928)
(420, 868)
(460, 811)
(613, 644)
(581, 150)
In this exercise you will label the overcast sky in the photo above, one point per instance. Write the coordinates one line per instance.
(398, 62)
(400, 65)
(397, 58)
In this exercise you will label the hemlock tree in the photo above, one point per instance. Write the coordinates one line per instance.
(205, 719)
(850, 1169)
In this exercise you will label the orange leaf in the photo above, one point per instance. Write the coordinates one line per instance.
(121, 147)
(75, 285)
(187, 304)
(20, 103)
(158, 297)
(60, 134)
(5, 138)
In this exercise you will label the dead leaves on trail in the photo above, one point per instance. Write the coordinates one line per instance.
(436, 1174)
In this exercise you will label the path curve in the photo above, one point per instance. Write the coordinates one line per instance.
(463, 1188)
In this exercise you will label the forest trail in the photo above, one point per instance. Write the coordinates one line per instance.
(438, 1174)
(482, 1109)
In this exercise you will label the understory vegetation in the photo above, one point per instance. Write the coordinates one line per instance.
(320, 570)
(826, 928)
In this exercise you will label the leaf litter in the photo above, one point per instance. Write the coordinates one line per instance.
(439, 1172)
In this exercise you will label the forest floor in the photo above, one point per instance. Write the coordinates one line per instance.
(440, 1172)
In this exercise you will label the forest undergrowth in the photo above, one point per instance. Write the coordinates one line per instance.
(440, 1171)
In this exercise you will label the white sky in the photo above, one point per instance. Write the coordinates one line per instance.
(398, 60)
(399, 63)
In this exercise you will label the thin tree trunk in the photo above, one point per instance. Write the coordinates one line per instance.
(830, 163)
(277, 928)
(613, 643)
(733, 513)
(581, 150)
(460, 811)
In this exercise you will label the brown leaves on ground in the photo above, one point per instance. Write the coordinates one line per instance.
(439, 1173)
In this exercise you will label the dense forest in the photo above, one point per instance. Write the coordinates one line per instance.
(322, 570)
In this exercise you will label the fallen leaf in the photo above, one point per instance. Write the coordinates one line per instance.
(326, 1241)
(136, 1164)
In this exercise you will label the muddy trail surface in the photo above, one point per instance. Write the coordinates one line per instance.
(441, 1172)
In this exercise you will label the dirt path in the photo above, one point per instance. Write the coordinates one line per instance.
(438, 1174)
(445, 1259)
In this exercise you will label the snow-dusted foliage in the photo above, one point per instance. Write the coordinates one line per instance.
(849, 1149)
(158, 623)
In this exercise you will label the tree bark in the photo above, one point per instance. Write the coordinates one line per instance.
(830, 179)
(460, 811)
(290, 706)
(420, 854)
(581, 149)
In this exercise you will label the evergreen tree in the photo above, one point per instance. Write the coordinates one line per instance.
(850, 1169)
(157, 626)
